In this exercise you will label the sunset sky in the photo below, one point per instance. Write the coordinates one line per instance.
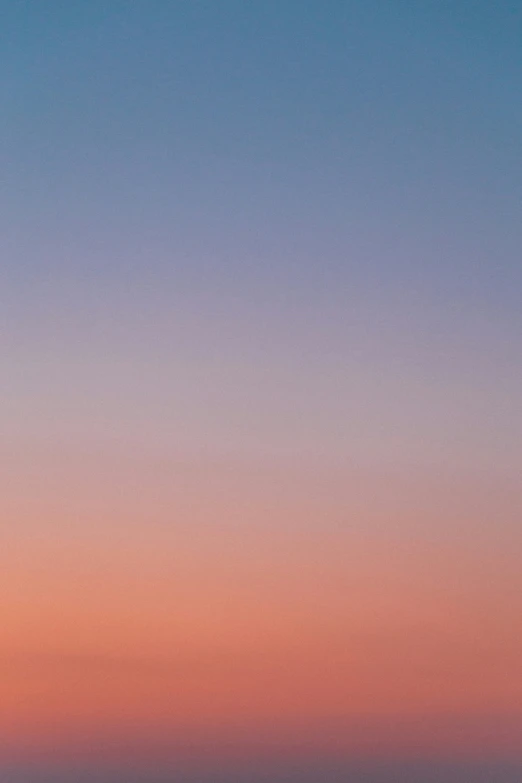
(261, 391)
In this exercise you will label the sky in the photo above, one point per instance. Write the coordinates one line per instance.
(260, 340)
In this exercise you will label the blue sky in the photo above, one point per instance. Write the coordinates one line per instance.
(334, 142)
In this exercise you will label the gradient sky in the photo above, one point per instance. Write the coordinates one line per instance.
(260, 339)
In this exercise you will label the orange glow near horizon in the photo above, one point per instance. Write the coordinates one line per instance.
(220, 626)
